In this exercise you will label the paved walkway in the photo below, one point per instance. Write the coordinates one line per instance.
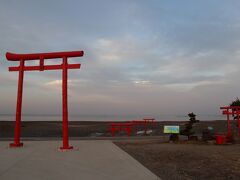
(90, 160)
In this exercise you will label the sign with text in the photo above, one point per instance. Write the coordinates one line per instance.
(171, 129)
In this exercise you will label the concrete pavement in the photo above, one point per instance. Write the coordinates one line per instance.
(90, 160)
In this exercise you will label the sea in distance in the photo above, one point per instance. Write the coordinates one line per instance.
(8, 117)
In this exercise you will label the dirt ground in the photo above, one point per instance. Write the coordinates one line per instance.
(184, 160)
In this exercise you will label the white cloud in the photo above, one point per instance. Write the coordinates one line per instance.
(137, 52)
(182, 87)
(58, 83)
(54, 83)
(142, 82)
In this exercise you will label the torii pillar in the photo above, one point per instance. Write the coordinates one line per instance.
(21, 68)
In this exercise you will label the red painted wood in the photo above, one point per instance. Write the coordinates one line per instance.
(17, 130)
(65, 106)
(21, 68)
(35, 56)
(45, 67)
(231, 111)
(120, 127)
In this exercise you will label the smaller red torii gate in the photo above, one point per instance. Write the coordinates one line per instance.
(231, 111)
(145, 122)
(41, 67)
(127, 126)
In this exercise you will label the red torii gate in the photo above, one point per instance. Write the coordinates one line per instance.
(231, 111)
(145, 122)
(41, 67)
(127, 126)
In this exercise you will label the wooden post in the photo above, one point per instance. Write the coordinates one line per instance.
(17, 131)
(65, 106)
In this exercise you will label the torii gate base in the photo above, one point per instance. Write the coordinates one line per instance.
(21, 68)
(15, 145)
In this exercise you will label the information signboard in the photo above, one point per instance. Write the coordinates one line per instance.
(171, 129)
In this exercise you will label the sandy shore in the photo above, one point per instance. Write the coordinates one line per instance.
(90, 128)
(184, 160)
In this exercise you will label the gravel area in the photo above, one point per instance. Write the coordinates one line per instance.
(186, 160)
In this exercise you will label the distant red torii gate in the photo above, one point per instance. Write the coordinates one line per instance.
(233, 111)
(41, 67)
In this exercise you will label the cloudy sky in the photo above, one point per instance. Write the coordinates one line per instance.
(141, 56)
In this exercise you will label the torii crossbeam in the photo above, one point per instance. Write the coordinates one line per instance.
(41, 67)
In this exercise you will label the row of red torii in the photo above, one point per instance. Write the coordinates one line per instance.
(64, 67)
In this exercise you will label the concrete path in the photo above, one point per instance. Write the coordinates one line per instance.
(90, 160)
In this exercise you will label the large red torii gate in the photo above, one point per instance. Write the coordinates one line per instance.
(41, 67)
